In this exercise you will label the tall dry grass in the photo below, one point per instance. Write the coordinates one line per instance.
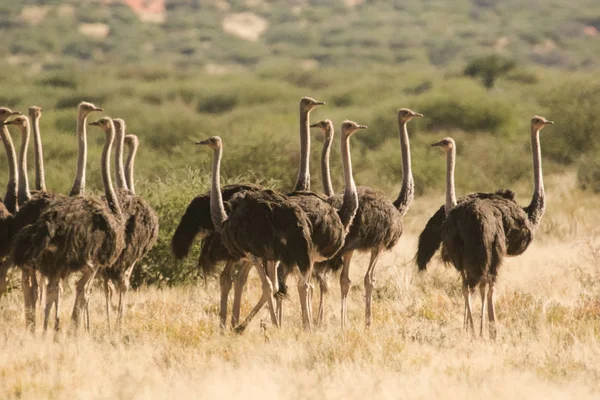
(548, 304)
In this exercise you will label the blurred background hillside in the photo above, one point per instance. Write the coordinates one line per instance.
(180, 70)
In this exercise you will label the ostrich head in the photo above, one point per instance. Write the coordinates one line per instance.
(405, 115)
(326, 127)
(104, 123)
(35, 111)
(86, 108)
(131, 140)
(119, 123)
(308, 103)
(6, 113)
(20, 122)
(349, 127)
(539, 123)
(446, 144)
(214, 142)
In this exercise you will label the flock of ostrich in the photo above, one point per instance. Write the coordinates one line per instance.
(49, 236)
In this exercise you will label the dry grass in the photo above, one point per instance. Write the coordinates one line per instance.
(548, 347)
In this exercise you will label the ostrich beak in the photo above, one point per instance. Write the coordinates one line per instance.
(95, 123)
(319, 103)
(549, 122)
(361, 127)
(315, 125)
(15, 113)
(418, 115)
(436, 144)
(203, 142)
(98, 109)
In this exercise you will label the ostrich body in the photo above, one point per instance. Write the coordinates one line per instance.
(77, 233)
(141, 225)
(519, 223)
(377, 226)
(261, 224)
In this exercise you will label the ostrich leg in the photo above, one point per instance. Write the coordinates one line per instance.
(482, 291)
(226, 283)
(267, 296)
(345, 283)
(52, 297)
(108, 297)
(82, 296)
(238, 286)
(322, 297)
(369, 285)
(123, 289)
(491, 310)
(29, 286)
(468, 314)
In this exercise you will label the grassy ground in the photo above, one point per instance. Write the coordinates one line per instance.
(548, 305)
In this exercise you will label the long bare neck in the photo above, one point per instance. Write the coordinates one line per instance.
(450, 190)
(24, 194)
(119, 169)
(407, 190)
(217, 209)
(130, 165)
(537, 206)
(10, 199)
(79, 184)
(325, 170)
(350, 201)
(40, 174)
(303, 181)
(109, 191)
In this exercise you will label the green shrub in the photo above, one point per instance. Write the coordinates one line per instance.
(588, 173)
(576, 107)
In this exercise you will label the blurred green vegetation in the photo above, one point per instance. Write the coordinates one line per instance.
(186, 79)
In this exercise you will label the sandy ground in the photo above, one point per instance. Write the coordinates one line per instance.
(548, 347)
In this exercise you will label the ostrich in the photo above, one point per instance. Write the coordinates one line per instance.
(330, 224)
(79, 233)
(30, 212)
(9, 207)
(519, 223)
(141, 226)
(263, 225)
(473, 241)
(29, 279)
(323, 269)
(377, 226)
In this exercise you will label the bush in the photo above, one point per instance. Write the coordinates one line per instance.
(588, 173)
(576, 107)
(465, 107)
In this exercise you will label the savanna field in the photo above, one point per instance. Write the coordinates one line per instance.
(182, 71)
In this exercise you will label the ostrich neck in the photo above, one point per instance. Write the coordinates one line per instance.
(24, 194)
(350, 201)
(325, 171)
(407, 190)
(119, 169)
(450, 193)
(109, 191)
(79, 183)
(217, 209)
(303, 181)
(10, 199)
(538, 205)
(40, 174)
(129, 167)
